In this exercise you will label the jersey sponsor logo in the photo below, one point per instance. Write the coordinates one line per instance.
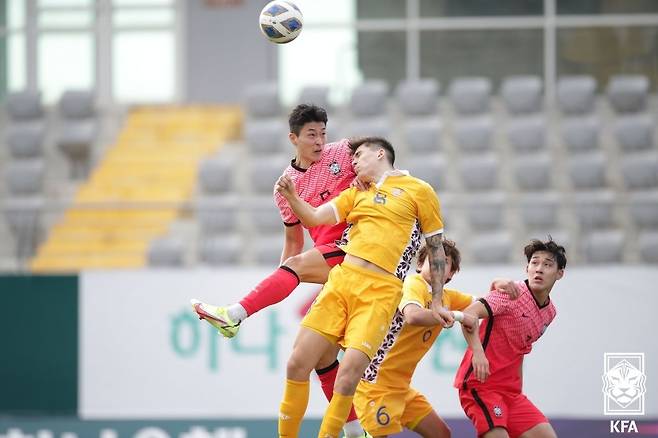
(624, 383)
(397, 191)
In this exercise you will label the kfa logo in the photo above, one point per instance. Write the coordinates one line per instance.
(334, 168)
(623, 389)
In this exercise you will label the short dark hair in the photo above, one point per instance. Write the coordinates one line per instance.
(550, 246)
(305, 113)
(378, 142)
(451, 250)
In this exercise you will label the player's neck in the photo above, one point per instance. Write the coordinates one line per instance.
(301, 163)
(541, 296)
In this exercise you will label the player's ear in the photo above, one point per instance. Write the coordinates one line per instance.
(560, 274)
(293, 138)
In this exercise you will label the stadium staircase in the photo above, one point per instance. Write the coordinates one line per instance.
(138, 190)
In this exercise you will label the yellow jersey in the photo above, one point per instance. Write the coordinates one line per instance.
(405, 345)
(386, 221)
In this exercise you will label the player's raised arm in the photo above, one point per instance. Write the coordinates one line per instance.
(437, 258)
(309, 215)
(472, 314)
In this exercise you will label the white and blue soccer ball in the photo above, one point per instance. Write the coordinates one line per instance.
(281, 21)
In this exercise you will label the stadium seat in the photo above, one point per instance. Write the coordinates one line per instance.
(372, 126)
(24, 106)
(604, 246)
(533, 172)
(265, 136)
(576, 94)
(479, 173)
(25, 177)
(77, 130)
(527, 134)
(648, 245)
(492, 248)
(470, 95)
(581, 134)
(23, 215)
(418, 97)
(216, 175)
(430, 168)
(594, 209)
(486, 211)
(587, 171)
(268, 249)
(264, 171)
(216, 214)
(220, 250)
(165, 252)
(522, 94)
(423, 136)
(25, 140)
(539, 210)
(316, 95)
(643, 208)
(628, 93)
(369, 99)
(635, 132)
(262, 100)
(640, 170)
(474, 134)
(264, 214)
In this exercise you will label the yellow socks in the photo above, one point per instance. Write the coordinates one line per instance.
(335, 416)
(292, 409)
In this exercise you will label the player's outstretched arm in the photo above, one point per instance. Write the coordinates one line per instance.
(480, 363)
(293, 243)
(437, 259)
(506, 286)
(416, 315)
(309, 216)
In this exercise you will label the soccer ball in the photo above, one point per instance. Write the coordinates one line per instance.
(281, 21)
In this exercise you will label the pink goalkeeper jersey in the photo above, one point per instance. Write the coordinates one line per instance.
(506, 335)
(318, 184)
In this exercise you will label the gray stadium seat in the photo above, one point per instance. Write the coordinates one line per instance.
(640, 170)
(369, 99)
(628, 93)
(265, 136)
(576, 94)
(470, 95)
(262, 100)
(587, 171)
(648, 244)
(264, 171)
(268, 250)
(594, 209)
(491, 248)
(527, 134)
(474, 134)
(604, 246)
(77, 130)
(486, 212)
(581, 133)
(25, 177)
(165, 252)
(635, 131)
(372, 126)
(220, 250)
(23, 215)
(216, 175)
(24, 106)
(479, 173)
(522, 94)
(264, 214)
(216, 214)
(423, 136)
(418, 97)
(539, 210)
(25, 140)
(430, 168)
(316, 95)
(643, 208)
(533, 172)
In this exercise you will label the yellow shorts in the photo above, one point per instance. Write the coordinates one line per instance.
(386, 411)
(355, 307)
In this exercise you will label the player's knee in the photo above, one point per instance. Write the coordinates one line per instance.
(297, 368)
(347, 380)
(296, 263)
